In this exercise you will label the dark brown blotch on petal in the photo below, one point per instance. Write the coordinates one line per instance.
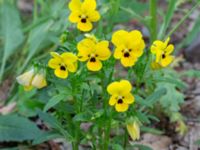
(120, 101)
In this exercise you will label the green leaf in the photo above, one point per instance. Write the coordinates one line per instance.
(172, 99)
(142, 117)
(153, 98)
(17, 128)
(10, 29)
(53, 101)
(117, 147)
(141, 101)
(141, 146)
(85, 116)
(180, 84)
(191, 73)
(54, 123)
(182, 20)
(167, 17)
(46, 136)
(151, 130)
(49, 119)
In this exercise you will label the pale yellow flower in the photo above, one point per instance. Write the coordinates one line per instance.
(133, 130)
(39, 81)
(26, 79)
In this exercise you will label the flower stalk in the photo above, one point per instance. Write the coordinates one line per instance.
(153, 21)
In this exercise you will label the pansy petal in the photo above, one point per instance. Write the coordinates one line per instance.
(82, 57)
(158, 57)
(121, 107)
(118, 51)
(125, 86)
(135, 34)
(112, 100)
(89, 5)
(102, 50)
(139, 49)
(157, 46)
(75, 5)
(55, 55)
(128, 98)
(119, 88)
(128, 61)
(134, 39)
(113, 88)
(119, 37)
(93, 16)
(61, 73)
(54, 63)
(166, 61)
(72, 67)
(94, 66)
(86, 45)
(85, 48)
(169, 49)
(74, 17)
(68, 57)
(167, 41)
(85, 26)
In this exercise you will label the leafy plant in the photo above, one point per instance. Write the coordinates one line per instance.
(90, 99)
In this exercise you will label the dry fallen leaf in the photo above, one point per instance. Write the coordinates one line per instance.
(7, 109)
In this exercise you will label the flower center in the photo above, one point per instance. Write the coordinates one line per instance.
(163, 56)
(126, 54)
(92, 59)
(83, 20)
(120, 101)
(62, 68)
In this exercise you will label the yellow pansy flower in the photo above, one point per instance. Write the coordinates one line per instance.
(31, 79)
(133, 130)
(62, 64)
(25, 79)
(163, 52)
(121, 97)
(93, 52)
(83, 13)
(129, 46)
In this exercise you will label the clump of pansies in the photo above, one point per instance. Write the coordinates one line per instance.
(128, 48)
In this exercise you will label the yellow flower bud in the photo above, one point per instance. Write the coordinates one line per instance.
(25, 79)
(133, 130)
(39, 81)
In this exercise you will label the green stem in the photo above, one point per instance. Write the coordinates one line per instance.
(107, 133)
(153, 21)
(107, 113)
(2, 69)
(35, 14)
(74, 146)
(115, 4)
(125, 139)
